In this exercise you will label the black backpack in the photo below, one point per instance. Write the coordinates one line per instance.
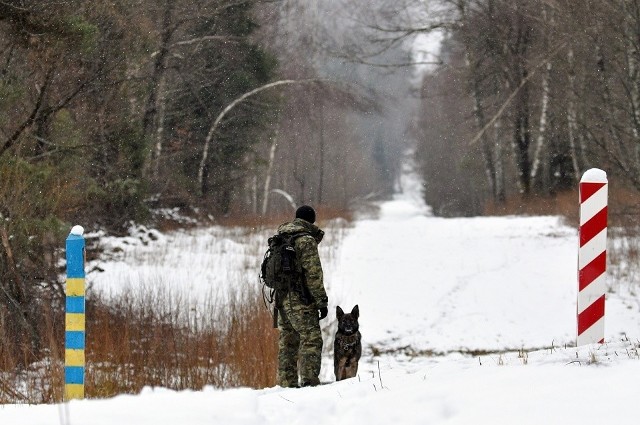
(279, 270)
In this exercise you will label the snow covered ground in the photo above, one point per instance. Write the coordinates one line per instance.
(464, 321)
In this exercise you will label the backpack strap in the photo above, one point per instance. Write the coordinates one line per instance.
(290, 237)
(301, 287)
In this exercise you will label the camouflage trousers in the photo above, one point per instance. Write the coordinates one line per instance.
(300, 340)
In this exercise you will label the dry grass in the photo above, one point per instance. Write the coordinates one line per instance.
(154, 338)
(623, 206)
(21, 378)
(166, 342)
(564, 204)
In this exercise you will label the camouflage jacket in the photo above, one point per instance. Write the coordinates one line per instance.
(307, 256)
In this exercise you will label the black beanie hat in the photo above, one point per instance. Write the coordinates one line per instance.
(307, 213)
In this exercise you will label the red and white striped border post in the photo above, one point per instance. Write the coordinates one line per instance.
(592, 256)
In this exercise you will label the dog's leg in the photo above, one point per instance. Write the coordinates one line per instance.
(340, 369)
(336, 356)
(351, 369)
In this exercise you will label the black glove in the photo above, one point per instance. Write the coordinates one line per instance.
(323, 312)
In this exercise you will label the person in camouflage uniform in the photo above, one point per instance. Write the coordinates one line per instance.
(299, 311)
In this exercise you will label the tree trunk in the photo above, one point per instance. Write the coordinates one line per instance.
(159, 136)
(521, 142)
(486, 148)
(572, 116)
(157, 76)
(321, 158)
(501, 193)
(253, 195)
(522, 131)
(542, 126)
(631, 52)
(616, 146)
(267, 180)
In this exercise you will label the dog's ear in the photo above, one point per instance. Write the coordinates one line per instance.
(339, 312)
(356, 311)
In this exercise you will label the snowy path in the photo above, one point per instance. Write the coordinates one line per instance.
(460, 284)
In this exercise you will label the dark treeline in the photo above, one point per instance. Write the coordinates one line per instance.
(113, 111)
(528, 96)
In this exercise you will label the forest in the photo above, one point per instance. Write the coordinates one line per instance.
(232, 111)
(529, 95)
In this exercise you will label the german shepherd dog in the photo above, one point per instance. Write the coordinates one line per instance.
(347, 347)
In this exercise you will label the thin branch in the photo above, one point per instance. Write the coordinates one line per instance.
(205, 38)
(8, 389)
(406, 31)
(13, 6)
(4, 239)
(32, 117)
(286, 195)
(59, 150)
(229, 107)
(197, 40)
(398, 65)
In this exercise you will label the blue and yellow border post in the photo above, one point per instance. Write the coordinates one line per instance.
(74, 359)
